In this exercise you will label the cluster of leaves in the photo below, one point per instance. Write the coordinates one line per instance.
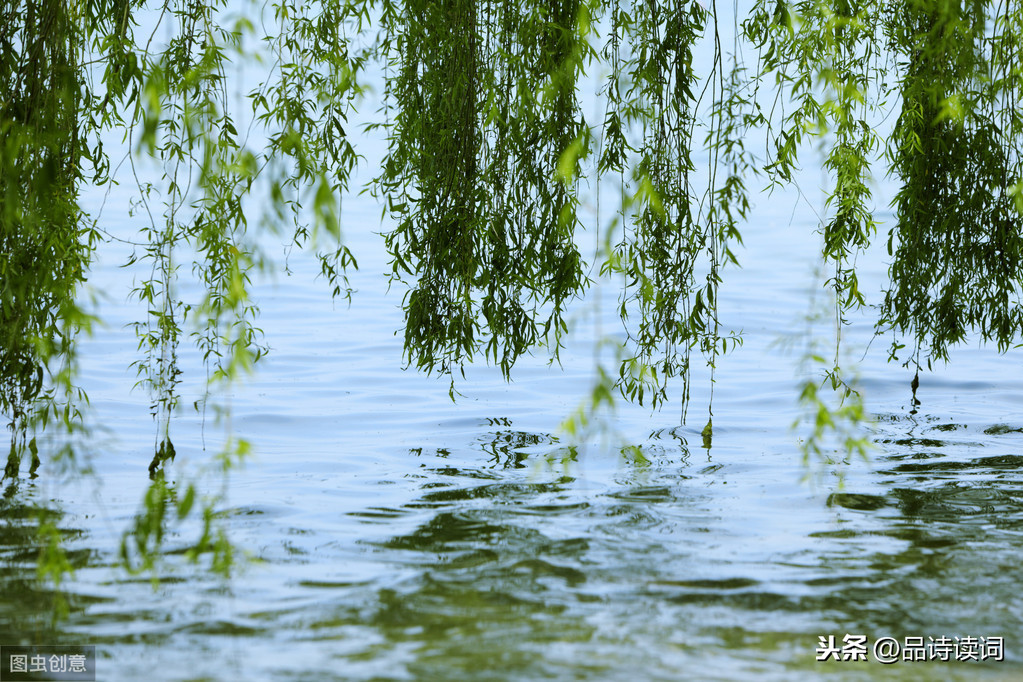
(676, 223)
(828, 68)
(487, 145)
(176, 109)
(957, 249)
(953, 66)
(68, 73)
(660, 246)
(483, 148)
(826, 62)
(44, 248)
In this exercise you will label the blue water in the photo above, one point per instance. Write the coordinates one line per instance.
(390, 533)
(393, 534)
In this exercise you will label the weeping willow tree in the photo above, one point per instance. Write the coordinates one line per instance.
(485, 98)
(45, 247)
(958, 242)
(491, 165)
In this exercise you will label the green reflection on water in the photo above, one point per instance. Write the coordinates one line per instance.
(501, 574)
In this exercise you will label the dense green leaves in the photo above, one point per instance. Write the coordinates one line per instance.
(44, 247)
(484, 145)
(958, 246)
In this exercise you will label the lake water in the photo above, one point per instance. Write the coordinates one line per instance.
(393, 534)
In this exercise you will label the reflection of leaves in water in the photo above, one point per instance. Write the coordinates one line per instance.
(677, 433)
(29, 602)
(645, 494)
(954, 500)
(489, 575)
(512, 448)
(948, 427)
(914, 442)
(979, 465)
(999, 429)
(481, 579)
(914, 564)
(518, 494)
(506, 447)
(857, 501)
(446, 531)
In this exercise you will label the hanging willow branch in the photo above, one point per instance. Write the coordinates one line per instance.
(659, 250)
(45, 248)
(486, 124)
(679, 224)
(958, 246)
(487, 153)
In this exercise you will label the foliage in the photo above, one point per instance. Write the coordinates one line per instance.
(958, 243)
(490, 167)
(483, 148)
(45, 248)
(834, 425)
(670, 227)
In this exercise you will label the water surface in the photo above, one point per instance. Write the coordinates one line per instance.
(394, 534)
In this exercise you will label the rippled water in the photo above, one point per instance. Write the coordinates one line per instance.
(394, 534)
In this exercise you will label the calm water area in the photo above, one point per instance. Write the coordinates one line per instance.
(392, 534)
